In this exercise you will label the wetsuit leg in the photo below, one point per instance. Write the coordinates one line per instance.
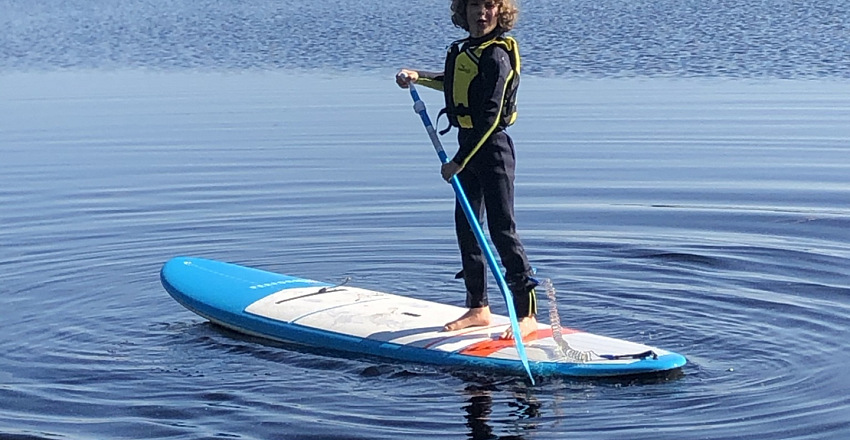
(498, 191)
(472, 257)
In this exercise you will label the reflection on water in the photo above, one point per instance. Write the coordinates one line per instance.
(479, 411)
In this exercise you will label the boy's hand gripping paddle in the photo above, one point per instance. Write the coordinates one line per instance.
(419, 107)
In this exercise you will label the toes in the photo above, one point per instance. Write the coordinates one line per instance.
(507, 334)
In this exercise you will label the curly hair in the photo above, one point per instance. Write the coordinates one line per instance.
(508, 11)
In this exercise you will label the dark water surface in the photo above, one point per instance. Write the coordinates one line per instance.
(683, 179)
(706, 217)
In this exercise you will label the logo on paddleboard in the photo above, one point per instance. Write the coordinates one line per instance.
(284, 282)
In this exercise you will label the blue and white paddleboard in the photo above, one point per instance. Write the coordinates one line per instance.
(350, 319)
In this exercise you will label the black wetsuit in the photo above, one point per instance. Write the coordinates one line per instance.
(487, 178)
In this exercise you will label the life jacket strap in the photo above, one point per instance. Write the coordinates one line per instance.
(444, 111)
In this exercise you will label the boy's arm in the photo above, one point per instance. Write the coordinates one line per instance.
(432, 80)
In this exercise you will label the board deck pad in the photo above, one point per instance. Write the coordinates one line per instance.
(352, 319)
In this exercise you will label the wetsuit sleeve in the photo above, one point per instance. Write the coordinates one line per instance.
(435, 83)
(486, 98)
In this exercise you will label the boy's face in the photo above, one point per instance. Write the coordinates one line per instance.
(482, 16)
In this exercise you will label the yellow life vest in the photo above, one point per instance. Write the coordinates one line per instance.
(461, 70)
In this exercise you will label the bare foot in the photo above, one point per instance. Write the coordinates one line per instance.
(527, 326)
(479, 316)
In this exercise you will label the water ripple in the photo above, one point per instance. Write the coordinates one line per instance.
(716, 38)
(720, 235)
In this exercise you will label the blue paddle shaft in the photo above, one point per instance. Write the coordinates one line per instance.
(419, 107)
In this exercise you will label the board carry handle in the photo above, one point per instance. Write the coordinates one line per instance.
(419, 108)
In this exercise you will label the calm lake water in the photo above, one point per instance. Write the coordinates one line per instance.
(683, 180)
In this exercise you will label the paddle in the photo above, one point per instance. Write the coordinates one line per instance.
(419, 107)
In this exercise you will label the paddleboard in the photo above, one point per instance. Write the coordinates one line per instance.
(351, 319)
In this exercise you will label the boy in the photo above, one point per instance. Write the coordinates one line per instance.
(479, 83)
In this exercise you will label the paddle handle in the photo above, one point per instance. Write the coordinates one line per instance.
(419, 108)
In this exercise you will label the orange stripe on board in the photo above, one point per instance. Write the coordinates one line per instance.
(490, 346)
(455, 335)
